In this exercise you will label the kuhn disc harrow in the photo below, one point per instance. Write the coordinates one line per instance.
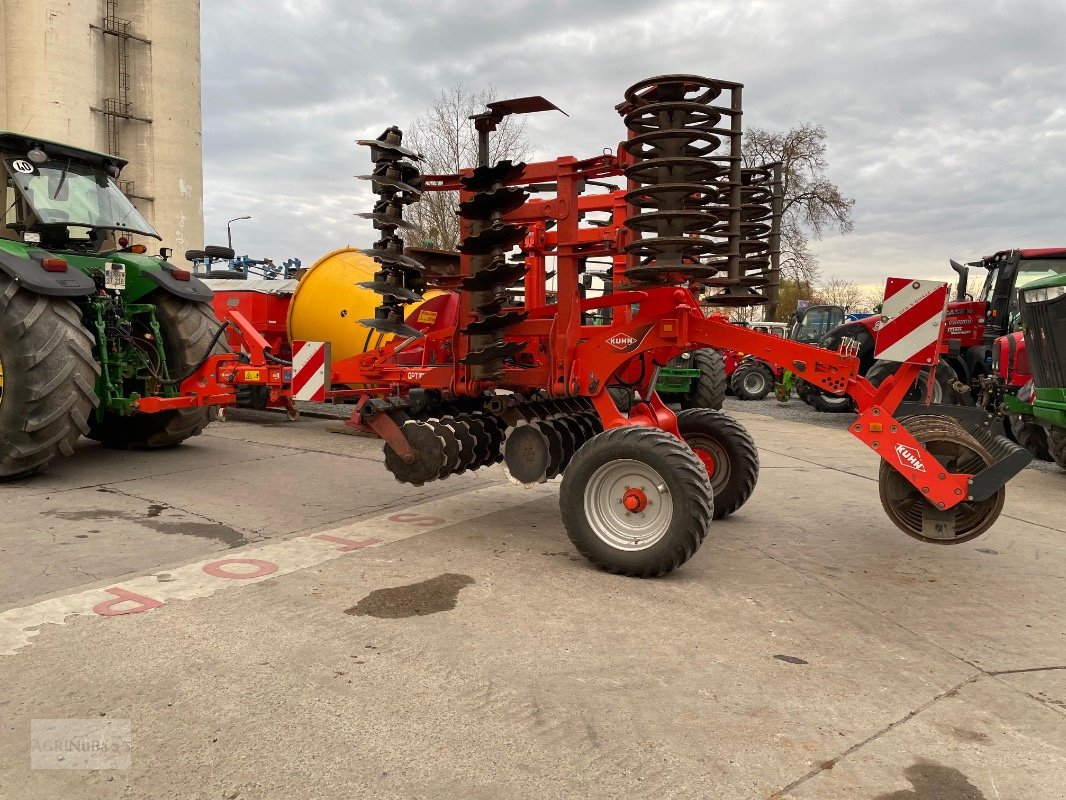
(519, 369)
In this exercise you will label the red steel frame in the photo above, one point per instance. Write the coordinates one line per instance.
(566, 358)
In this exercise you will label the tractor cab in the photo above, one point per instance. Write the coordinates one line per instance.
(64, 198)
(995, 310)
(809, 325)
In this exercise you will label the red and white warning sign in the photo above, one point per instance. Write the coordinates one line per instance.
(912, 321)
(310, 371)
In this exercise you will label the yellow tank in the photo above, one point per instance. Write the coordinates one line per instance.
(328, 304)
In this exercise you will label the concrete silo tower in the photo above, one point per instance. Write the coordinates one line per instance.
(119, 76)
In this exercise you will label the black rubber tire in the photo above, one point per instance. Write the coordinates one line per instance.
(622, 396)
(803, 390)
(945, 377)
(195, 255)
(223, 274)
(1056, 445)
(1031, 435)
(746, 385)
(829, 403)
(689, 490)
(188, 328)
(731, 448)
(49, 376)
(709, 389)
(215, 251)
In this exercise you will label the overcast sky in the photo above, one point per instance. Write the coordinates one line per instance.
(946, 120)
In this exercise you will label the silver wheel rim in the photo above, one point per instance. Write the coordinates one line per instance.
(835, 401)
(754, 382)
(608, 517)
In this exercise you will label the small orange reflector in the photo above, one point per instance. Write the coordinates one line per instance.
(180, 274)
(138, 249)
(54, 265)
(876, 427)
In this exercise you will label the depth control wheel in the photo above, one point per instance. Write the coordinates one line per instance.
(636, 501)
(958, 452)
(728, 454)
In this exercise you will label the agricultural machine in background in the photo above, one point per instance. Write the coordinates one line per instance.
(526, 379)
(972, 327)
(1028, 381)
(96, 337)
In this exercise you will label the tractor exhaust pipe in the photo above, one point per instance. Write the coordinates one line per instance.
(964, 273)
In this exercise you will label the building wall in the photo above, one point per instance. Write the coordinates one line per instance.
(57, 65)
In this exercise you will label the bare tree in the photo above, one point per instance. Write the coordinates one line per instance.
(812, 204)
(841, 292)
(446, 138)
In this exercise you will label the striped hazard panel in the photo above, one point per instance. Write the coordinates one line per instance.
(310, 371)
(912, 321)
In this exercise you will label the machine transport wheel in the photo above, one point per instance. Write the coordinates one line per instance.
(214, 251)
(751, 382)
(622, 396)
(728, 453)
(708, 391)
(1030, 435)
(958, 452)
(1056, 445)
(195, 255)
(188, 328)
(47, 377)
(224, 274)
(636, 501)
(829, 403)
(943, 387)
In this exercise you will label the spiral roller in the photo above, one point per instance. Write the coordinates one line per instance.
(490, 274)
(675, 139)
(396, 180)
(756, 209)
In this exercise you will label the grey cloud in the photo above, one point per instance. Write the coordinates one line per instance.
(947, 122)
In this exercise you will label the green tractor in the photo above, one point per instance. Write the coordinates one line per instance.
(96, 338)
(1030, 370)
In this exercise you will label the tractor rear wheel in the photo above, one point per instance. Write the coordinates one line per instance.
(188, 329)
(636, 501)
(752, 382)
(1030, 435)
(47, 377)
(728, 454)
(1056, 445)
(708, 390)
(943, 385)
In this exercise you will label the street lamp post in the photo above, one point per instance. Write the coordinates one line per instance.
(229, 233)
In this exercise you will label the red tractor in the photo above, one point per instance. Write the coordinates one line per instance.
(973, 325)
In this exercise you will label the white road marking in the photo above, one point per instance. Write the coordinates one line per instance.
(245, 566)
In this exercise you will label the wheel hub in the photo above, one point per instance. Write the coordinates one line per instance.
(628, 505)
(635, 501)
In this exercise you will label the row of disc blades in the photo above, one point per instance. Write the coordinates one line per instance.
(449, 445)
(539, 450)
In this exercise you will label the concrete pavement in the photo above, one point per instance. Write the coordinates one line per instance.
(449, 642)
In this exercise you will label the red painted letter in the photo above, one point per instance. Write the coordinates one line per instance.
(347, 545)
(218, 569)
(108, 608)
